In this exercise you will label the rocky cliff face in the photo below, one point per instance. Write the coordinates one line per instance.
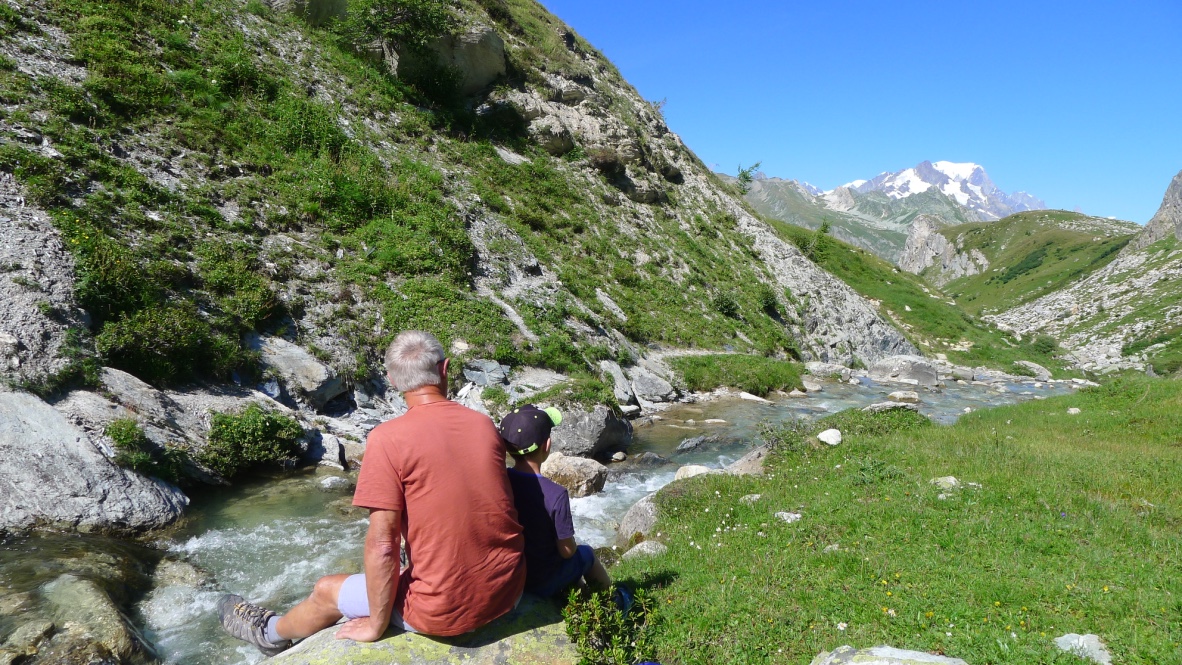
(1167, 221)
(926, 248)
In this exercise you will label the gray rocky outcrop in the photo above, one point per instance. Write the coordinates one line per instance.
(477, 54)
(52, 473)
(927, 247)
(1089, 647)
(486, 372)
(621, 387)
(638, 522)
(532, 633)
(648, 386)
(306, 378)
(750, 464)
(647, 548)
(883, 407)
(1166, 222)
(36, 289)
(1039, 372)
(581, 476)
(848, 655)
(910, 369)
(591, 433)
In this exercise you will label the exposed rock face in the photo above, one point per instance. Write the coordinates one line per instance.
(51, 472)
(36, 289)
(750, 464)
(579, 475)
(646, 549)
(927, 247)
(1167, 221)
(477, 54)
(848, 655)
(591, 434)
(1040, 373)
(532, 633)
(620, 384)
(305, 377)
(905, 369)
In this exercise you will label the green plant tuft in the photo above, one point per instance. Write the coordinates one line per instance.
(603, 635)
(254, 438)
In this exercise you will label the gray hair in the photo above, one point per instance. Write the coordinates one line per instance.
(412, 360)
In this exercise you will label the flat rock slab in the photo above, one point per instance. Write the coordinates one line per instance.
(1085, 646)
(882, 656)
(532, 634)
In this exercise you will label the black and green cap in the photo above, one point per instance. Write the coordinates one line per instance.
(527, 427)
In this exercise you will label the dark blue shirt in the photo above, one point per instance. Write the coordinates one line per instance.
(543, 508)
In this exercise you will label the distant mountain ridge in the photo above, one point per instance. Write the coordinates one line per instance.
(877, 214)
(966, 183)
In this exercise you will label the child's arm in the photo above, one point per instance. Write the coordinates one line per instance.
(566, 547)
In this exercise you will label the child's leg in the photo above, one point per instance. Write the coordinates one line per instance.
(597, 577)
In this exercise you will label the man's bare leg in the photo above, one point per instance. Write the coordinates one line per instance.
(597, 578)
(317, 612)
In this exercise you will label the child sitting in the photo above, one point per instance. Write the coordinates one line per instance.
(552, 558)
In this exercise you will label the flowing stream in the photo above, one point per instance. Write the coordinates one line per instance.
(271, 539)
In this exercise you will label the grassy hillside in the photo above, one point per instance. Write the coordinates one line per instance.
(217, 168)
(1073, 528)
(929, 318)
(1032, 254)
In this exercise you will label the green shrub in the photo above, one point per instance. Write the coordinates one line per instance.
(496, 396)
(766, 297)
(603, 635)
(858, 423)
(583, 391)
(256, 437)
(136, 452)
(168, 344)
(1045, 345)
(753, 374)
(80, 371)
(724, 303)
(405, 24)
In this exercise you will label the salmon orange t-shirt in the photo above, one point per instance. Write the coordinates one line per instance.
(443, 465)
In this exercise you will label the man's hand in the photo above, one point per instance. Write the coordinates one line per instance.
(360, 630)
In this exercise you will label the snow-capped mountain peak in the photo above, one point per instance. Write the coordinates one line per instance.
(966, 183)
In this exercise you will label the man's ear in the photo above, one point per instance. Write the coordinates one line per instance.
(443, 371)
(546, 446)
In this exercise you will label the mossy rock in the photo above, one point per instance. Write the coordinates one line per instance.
(532, 634)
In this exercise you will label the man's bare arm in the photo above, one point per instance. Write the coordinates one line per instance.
(381, 576)
(566, 547)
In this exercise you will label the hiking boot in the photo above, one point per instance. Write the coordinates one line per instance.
(248, 622)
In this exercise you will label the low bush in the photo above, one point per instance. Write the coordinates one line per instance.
(254, 438)
(603, 635)
(134, 451)
(753, 374)
(167, 345)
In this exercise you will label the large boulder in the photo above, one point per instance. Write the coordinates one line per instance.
(579, 475)
(750, 464)
(620, 384)
(532, 633)
(83, 607)
(52, 473)
(486, 372)
(590, 434)
(304, 376)
(1039, 372)
(478, 55)
(638, 522)
(647, 385)
(913, 370)
(847, 655)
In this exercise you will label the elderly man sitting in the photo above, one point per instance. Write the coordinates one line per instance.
(436, 477)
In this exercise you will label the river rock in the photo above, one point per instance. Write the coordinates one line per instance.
(828, 370)
(52, 473)
(750, 464)
(579, 475)
(754, 398)
(905, 369)
(695, 442)
(324, 450)
(908, 396)
(830, 437)
(1085, 646)
(812, 386)
(638, 521)
(1040, 373)
(648, 386)
(649, 459)
(26, 638)
(620, 385)
(620, 456)
(304, 376)
(532, 633)
(890, 406)
(81, 602)
(884, 655)
(590, 434)
(691, 470)
(646, 549)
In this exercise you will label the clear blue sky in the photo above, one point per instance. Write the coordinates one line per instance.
(1078, 103)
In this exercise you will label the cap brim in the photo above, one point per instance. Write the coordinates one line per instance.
(555, 415)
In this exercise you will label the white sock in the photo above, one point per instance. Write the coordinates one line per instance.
(272, 633)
